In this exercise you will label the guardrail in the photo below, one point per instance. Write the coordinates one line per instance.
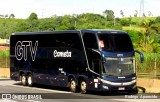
(4, 44)
(149, 75)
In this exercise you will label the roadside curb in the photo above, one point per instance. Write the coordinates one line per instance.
(5, 79)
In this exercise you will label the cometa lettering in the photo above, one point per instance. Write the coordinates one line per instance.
(62, 54)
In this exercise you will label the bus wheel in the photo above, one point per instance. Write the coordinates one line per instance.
(83, 87)
(72, 85)
(30, 80)
(23, 80)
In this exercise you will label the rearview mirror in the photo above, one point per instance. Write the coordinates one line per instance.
(141, 55)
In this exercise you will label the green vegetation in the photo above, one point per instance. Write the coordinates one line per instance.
(4, 59)
(144, 31)
(4, 53)
(1, 41)
(140, 90)
(151, 62)
(3, 77)
(4, 62)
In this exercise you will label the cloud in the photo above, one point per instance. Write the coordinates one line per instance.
(47, 8)
(20, 8)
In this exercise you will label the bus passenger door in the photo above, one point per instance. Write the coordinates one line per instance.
(94, 57)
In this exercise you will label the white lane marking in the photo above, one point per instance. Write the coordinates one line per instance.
(35, 88)
(137, 100)
(32, 101)
(6, 100)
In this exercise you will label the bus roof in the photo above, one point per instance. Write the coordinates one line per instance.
(71, 31)
(49, 32)
(103, 31)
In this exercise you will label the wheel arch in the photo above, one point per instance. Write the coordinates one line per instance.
(82, 77)
(28, 73)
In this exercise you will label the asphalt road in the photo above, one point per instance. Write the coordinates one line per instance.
(13, 91)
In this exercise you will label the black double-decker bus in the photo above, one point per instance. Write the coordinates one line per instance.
(91, 59)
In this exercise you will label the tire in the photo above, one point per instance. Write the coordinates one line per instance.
(23, 80)
(72, 85)
(30, 80)
(83, 87)
(20, 78)
(133, 91)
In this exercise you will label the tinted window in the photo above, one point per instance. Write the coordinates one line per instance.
(90, 41)
(71, 40)
(116, 42)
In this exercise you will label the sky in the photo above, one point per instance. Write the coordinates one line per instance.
(48, 8)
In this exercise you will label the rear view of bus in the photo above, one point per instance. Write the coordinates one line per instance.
(117, 64)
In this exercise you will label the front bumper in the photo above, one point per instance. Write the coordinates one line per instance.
(117, 86)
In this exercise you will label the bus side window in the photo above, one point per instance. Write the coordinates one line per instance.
(96, 65)
(90, 41)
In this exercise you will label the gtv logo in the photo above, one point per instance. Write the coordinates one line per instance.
(22, 47)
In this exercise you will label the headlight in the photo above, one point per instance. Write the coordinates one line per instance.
(105, 87)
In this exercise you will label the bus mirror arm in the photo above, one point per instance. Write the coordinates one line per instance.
(95, 50)
(141, 55)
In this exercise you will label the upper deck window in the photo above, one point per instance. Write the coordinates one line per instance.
(90, 41)
(115, 42)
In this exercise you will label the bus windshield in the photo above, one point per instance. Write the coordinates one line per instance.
(115, 42)
(119, 66)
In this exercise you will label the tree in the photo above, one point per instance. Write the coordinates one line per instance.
(12, 16)
(22, 26)
(130, 19)
(33, 21)
(149, 13)
(47, 24)
(122, 13)
(33, 16)
(144, 15)
(90, 20)
(109, 14)
(6, 16)
(157, 20)
(125, 22)
(136, 13)
(7, 27)
(150, 29)
(1, 16)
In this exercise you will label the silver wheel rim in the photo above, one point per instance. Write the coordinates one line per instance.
(83, 87)
(73, 85)
(29, 80)
(23, 79)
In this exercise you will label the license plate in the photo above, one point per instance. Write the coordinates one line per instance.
(121, 88)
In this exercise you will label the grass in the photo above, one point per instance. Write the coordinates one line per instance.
(3, 77)
(147, 77)
(135, 28)
(151, 61)
(4, 61)
(4, 53)
(4, 58)
(140, 90)
(1, 41)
